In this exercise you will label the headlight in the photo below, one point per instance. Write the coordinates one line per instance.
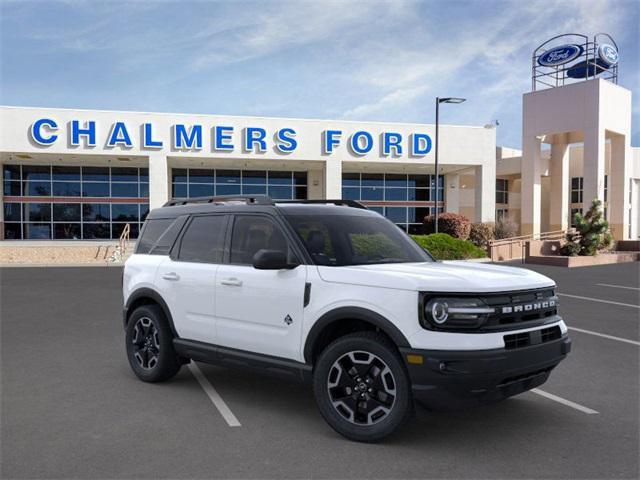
(455, 313)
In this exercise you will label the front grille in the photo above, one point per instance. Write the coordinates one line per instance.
(503, 320)
(535, 337)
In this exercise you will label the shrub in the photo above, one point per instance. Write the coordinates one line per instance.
(592, 233)
(445, 247)
(505, 228)
(482, 233)
(457, 226)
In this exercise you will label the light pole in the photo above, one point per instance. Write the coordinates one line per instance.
(438, 102)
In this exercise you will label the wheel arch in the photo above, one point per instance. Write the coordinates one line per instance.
(332, 320)
(148, 296)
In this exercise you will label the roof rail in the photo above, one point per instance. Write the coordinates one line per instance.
(346, 203)
(255, 199)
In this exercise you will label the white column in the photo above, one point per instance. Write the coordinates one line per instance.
(593, 166)
(559, 201)
(333, 179)
(158, 180)
(452, 192)
(619, 186)
(531, 173)
(315, 187)
(485, 192)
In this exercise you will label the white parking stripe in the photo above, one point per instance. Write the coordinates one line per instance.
(599, 300)
(564, 401)
(603, 335)
(616, 286)
(214, 396)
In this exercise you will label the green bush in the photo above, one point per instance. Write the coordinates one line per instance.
(481, 234)
(458, 226)
(592, 233)
(445, 247)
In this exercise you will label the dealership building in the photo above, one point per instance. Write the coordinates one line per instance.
(85, 174)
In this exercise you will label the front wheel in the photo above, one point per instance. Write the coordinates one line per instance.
(362, 388)
(150, 345)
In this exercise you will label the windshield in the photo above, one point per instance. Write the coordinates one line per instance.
(339, 240)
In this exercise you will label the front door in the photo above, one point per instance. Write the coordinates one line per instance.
(259, 310)
(187, 280)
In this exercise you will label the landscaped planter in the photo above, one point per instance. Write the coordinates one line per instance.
(584, 261)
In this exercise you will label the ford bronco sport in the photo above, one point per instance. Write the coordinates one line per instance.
(334, 294)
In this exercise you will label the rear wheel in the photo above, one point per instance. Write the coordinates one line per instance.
(149, 344)
(362, 388)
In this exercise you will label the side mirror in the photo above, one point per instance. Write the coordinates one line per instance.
(272, 260)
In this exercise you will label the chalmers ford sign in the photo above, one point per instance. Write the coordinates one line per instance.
(220, 138)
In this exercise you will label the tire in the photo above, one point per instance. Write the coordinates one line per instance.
(149, 343)
(379, 383)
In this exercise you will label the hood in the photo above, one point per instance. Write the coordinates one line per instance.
(448, 276)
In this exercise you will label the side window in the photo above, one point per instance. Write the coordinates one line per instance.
(152, 231)
(316, 238)
(203, 241)
(252, 233)
(167, 239)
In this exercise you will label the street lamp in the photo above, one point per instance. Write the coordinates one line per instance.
(438, 102)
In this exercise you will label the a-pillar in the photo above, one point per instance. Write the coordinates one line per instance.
(333, 179)
(618, 191)
(593, 166)
(158, 180)
(531, 178)
(485, 192)
(559, 169)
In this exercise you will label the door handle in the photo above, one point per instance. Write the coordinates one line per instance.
(231, 282)
(171, 276)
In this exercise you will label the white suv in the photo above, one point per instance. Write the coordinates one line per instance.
(334, 294)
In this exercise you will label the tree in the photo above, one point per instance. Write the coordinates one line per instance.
(592, 233)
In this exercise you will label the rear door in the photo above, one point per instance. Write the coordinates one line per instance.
(187, 278)
(259, 310)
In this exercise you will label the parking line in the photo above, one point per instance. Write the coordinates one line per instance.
(564, 401)
(214, 396)
(616, 286)
(599, 300)
(603, 335)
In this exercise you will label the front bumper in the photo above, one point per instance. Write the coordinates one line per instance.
(456, 379)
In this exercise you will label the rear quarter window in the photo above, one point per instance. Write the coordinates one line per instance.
(155, 230)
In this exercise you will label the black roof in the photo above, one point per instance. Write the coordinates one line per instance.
(257, 203)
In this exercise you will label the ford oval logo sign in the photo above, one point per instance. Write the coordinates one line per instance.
(608, 54)
(560, 55)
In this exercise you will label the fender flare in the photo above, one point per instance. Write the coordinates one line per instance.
(145, 292)
(352, 313)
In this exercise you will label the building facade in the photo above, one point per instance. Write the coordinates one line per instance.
(83, 175)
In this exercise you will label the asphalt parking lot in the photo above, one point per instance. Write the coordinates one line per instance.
(71, 407)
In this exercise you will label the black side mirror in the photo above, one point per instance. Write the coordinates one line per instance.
(272, 260)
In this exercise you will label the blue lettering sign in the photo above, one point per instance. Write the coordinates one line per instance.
(421, 144)
(222, 135)
(358, 147)
(37, 134)
(89, 131)
(331, 140)
(560, 55)
(286, 142)
(255, 136)
(147, 138)
(119, 136)
(189, 139)
(391, 140)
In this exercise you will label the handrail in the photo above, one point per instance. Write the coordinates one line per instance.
(538, 236)
(124, 239)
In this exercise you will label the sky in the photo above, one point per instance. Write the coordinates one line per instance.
(344, 60)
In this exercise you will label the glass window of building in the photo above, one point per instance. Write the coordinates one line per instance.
(412, 196)
(76, 203)
(576, 189)
(279, 185)
(502, 190)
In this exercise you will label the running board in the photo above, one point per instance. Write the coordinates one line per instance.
(230, 357)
